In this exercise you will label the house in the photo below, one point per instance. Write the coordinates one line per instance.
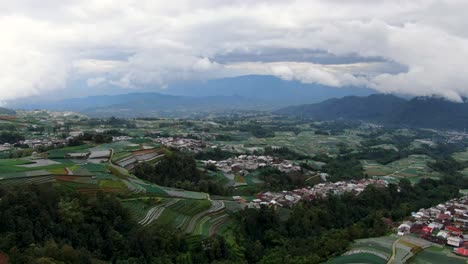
(461, 251)
(404, 228)
(454, 241)
(427, 230)
(443, 234)
(444, 216)
(436, 226)
(453, 230)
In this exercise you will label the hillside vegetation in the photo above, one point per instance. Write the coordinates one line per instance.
(427, 112)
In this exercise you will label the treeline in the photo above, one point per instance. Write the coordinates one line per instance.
(97, 138)
(214, 154)
(39, 224)
(179, 170)
(10, 137)
(276, 180)
(284, 153)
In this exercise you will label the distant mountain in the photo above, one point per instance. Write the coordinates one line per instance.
(268, 89)
(147, 104)
(258, 92)
(428, 112)
(5, 111)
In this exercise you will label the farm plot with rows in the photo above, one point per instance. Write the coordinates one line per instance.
(197, 217)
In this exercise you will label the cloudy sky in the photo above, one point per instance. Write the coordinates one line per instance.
(417, 47)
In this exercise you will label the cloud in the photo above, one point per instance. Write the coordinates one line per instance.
(94, 82)
(413, 47)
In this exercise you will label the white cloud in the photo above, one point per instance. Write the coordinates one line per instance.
(94, 82)
(132, 43)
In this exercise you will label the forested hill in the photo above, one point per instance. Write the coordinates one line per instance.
(427, 112)
(5, 111)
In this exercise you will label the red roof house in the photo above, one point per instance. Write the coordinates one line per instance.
(461, 251)
(427, 229)
(453, 229)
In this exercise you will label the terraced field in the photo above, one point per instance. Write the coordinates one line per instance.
(461, 156)
(393, 249)
(196, 217)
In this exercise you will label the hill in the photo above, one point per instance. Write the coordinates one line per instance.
(427, 112)
(5, 111)
(265, 88)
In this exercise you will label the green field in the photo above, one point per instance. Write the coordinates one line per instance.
(434, 255)
(413, 168)
(358, 258)
(306, 142)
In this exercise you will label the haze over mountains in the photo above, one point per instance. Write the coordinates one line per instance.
(426, 112)
(259, 92)
(245, 92)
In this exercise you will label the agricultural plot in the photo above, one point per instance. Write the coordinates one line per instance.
(179, 193)
(437, 255)
(407, 249)
(139, 207)
(358, 258)
(196, 217)
(369, 250)
(61, 153)
(239, 181)
(413, 168)
(220, 178)
(461, 156)
(305, 142)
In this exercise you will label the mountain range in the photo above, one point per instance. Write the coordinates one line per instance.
(245, 92)
(424, 112)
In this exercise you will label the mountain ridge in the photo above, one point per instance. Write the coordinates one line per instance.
(424, 112)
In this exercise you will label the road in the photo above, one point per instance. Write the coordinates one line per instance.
(391, 259)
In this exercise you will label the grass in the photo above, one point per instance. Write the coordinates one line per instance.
(358, 258)
(190, 207)
(437, 256)
(139, 207)
(60, 153)
(112, 184)
(413, 167)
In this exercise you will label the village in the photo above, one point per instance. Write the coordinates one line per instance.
(321, 190)
(186, 144)
(444, 224)
(243, 164)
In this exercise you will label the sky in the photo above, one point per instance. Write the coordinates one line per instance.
(53, 47)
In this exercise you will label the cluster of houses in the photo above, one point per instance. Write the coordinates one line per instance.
(121, 138)
(186, 144)
(45, 142)
(242, 164)
(443, 224)
(456, 136)
(321, 190)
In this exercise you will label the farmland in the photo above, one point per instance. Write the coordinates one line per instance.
(194, 178)
(407, 250)
(196, 217)
(413, 168)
